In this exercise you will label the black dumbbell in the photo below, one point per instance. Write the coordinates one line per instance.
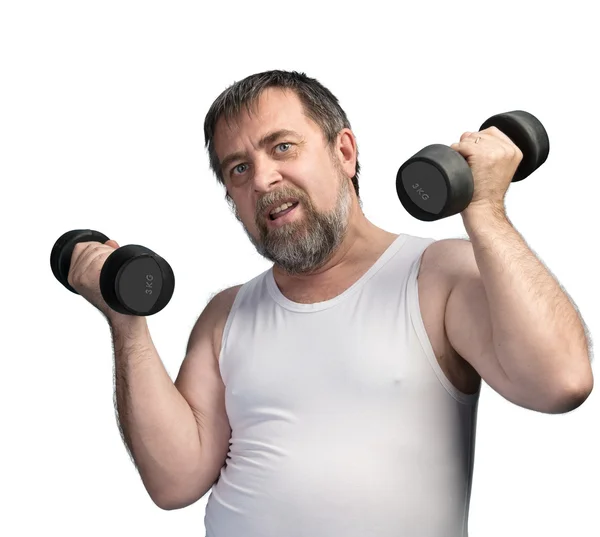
(437, 181)
(134, 280)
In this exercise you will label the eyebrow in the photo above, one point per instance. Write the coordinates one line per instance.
(267, 139)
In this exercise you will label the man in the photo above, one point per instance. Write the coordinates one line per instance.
(335, 394)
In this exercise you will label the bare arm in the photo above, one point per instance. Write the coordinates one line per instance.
(509, 318)
(177, 454)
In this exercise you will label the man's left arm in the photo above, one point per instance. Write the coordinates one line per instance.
(508, 316)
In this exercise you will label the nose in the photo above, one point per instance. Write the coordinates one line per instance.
(266, 175)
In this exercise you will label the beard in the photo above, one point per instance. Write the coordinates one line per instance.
(307, 243)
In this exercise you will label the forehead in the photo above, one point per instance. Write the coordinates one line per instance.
(275, 109)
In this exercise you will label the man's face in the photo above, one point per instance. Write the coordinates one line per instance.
(297, 166)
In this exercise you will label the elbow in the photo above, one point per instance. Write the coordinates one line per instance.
(574, 395)
(171, 500)
(167, 503)
(180, 489)
(172, 503)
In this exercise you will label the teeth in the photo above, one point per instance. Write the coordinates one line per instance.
(281, 208)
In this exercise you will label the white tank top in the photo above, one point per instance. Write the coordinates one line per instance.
(343, 423)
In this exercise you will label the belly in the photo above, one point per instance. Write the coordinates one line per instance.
(333, 489)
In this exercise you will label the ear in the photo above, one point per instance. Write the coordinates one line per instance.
(346, 151)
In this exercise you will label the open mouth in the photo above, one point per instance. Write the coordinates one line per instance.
(283, 212)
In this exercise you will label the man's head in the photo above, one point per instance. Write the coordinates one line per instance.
(313, 165)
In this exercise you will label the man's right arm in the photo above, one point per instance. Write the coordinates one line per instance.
(177, 432)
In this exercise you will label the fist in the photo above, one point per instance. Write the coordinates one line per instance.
(84, 272)
(493, 159)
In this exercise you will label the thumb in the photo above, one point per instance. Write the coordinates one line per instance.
(112, 243)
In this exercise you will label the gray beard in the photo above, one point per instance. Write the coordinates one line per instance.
(303, 246)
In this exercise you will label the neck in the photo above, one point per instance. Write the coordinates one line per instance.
(364, 242)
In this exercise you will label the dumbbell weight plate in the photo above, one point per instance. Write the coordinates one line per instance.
(528, 134)
(136, 281)
(434, 183)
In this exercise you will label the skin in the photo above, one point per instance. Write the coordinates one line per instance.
(490, 308)
(486, 316)
(328, 235)
(328, 243)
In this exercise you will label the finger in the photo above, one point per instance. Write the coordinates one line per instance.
(81, 253)
(511, 148)
(475, 137)
(497, 133)
(83, 267)
(91, 259)
(467, 148)
(478, 137)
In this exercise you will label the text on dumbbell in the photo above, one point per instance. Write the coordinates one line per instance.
(149, 279)
(420, 191)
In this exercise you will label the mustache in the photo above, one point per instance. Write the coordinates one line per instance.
(276, 197)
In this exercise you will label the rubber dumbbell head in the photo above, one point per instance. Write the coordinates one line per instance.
(133, 280)
(528, 134)
(437, 182)
(434, 183)
(136, 281)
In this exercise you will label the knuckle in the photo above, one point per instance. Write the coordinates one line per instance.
(74, 279)
(78, 249)
(512, 152)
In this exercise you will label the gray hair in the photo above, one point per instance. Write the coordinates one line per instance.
(318, 102)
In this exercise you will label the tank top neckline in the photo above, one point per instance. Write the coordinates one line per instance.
(288, 304)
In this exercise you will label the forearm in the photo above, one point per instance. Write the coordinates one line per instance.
(156, 422)
(538, 335)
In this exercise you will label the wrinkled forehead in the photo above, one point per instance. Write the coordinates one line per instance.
(274, 109)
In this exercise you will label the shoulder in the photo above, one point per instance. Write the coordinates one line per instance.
(222, 302)
(450, 259)
(213, 317)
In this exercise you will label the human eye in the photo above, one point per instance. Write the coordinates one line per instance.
(233, 170)
(283, 143)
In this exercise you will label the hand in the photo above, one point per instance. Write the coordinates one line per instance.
(84, 272)
(493, 160)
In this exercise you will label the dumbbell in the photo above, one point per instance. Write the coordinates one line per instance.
(437, 181)
(133, 281)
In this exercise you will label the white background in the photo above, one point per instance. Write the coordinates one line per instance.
(101, 112)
